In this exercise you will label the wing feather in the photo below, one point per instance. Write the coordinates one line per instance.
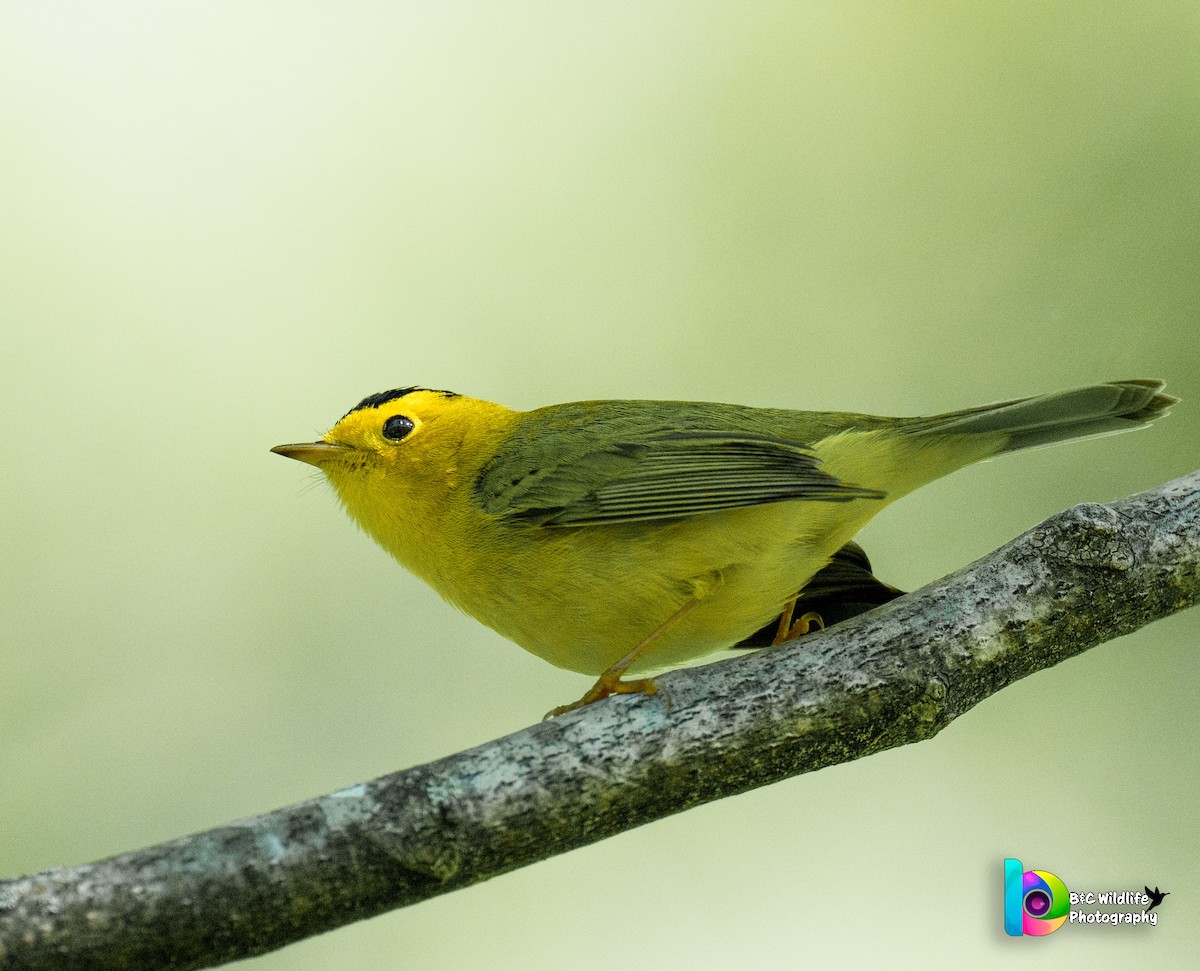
(665, 475)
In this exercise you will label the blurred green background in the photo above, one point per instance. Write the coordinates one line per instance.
(223, 224)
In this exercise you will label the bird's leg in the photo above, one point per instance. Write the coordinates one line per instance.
(785, 621)
(787, 629)
(610, 682)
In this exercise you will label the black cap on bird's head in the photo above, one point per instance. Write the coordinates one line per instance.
(383, 397)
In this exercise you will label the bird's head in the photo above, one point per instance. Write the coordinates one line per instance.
(394, 457)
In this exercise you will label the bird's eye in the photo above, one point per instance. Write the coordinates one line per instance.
(397, 427)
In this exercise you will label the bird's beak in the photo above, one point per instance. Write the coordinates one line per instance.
(314, 453)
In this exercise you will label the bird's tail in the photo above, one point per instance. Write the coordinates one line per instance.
(1100, 409)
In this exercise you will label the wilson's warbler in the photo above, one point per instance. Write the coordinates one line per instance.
(616, 536)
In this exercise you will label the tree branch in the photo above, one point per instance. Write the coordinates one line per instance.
(898, 674)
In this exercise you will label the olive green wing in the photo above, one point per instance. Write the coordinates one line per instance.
(592, 478)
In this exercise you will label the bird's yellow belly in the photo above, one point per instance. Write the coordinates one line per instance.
(583, 597)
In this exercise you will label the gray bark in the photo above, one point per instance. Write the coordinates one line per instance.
(898, 674)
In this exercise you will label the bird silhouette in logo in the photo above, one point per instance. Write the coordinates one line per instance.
(1156, 898)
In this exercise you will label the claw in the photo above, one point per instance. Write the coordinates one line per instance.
(603, 688)
(789, 629)
(804, 624)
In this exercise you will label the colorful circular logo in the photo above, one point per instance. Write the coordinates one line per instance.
(1045, 903)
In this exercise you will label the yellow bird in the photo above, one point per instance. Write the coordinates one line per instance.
(612, 537)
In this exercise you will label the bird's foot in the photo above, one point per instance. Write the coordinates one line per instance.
(789, 629)
(608, 684)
